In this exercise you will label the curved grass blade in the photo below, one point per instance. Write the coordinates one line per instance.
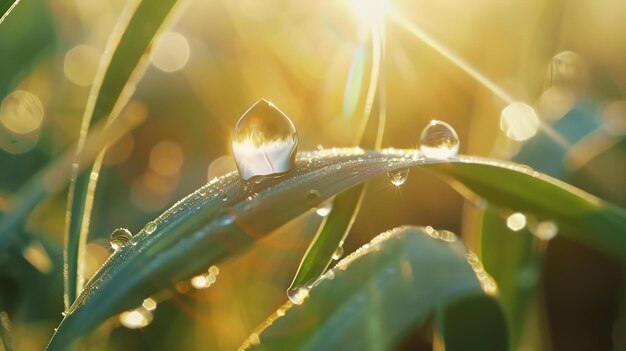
(336, 227)
(518, 188)
(384, 291)
(6, 6)
(129, 46)
(54, 177)
(514, 260)
(227, 216)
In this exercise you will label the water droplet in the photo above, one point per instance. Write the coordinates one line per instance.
(280, 312)
(545, 230)
(398, 177)
(120, 237)
(137, 318)
(150, 227)
(439, 140)
(330, 274)
(338, 252)
(313, 195)
(324, 209)
(355, 171)
(298, 295)
(64, 314)
(264, 142)
(254, 339)
(150, 304)
(516, 221)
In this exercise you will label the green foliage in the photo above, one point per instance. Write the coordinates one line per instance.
(129, 45)
(386, 290)
(220, 220)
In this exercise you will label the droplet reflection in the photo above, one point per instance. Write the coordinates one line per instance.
(264, 142)
(439, 140)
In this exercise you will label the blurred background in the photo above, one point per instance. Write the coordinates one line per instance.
(566, 59)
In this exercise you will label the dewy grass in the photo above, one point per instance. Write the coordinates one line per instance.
(374, 297)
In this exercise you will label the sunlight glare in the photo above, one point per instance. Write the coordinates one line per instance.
(369, 12)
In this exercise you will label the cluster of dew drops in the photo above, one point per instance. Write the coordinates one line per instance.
(265, 143)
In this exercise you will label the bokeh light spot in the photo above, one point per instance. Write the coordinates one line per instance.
(171, 52)
(519, 121)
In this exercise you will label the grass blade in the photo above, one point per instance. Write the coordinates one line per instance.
(219, 221)
(386, 290)
(129, 46)
(337, 225)
(6, 6)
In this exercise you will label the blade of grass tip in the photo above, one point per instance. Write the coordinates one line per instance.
(336, 227)
(6, 7)
(54, 177)
(128, 47)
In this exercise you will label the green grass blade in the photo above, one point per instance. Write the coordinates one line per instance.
(219, 221)
(119, 72)
(513, 259)
(475, 322)
(6, 6)
(383, 292)
(519, 188)
(337, 225)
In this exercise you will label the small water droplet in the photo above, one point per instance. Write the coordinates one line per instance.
(330, 274)
(280, 312)
(224, 199)
(298, 295)
(264, 142)
(545, 230)
(150, 227)
(120, 237)
(150, 304)
(439, 140)
(355, 171)
(64, 314)
(338, 252)
(399, 176)
(313, 195)
(324, 209)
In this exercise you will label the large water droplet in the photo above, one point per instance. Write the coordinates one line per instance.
(120, 237)
(264, 142)
(398, 177)
(439, 140)
(298, 295)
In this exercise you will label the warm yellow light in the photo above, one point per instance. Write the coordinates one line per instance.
(516, 221)
(171, 52)
(81, 63)
(519, 121)
(21, 112)
(369, 12)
